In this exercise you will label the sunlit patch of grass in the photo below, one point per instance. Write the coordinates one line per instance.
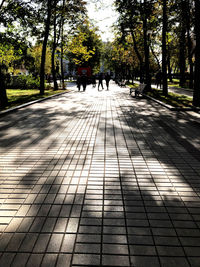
(176, 84)
(18, 97)
(172, 99)
(130, 85)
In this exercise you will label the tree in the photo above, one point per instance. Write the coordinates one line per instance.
(164, 48)
(67, 14)
(6, 57)
(35, 52)
(188, 21)
(133, 14)
(130, 22)
(11, 44)
(56, 37)
(84, 48)
(182, 39)
(196, 96)
(48, 6)
(53, 14)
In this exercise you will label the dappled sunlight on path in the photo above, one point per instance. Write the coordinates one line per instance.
(98, 178)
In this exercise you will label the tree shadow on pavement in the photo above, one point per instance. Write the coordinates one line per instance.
(125, 193)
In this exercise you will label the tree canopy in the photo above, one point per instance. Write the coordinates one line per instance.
(151, 36)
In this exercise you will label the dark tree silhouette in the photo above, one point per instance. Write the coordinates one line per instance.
(164, 49)
(196, 96)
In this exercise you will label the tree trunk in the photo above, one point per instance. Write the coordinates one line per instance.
(189, 45)
(156, 58)
(169, 68)
(3, 95)
(182, 44)
(196, 96)
(138, 55)
(182, 58)
(146, 50)
(164, 49)
(62, 42)
(61, 57)
(44, 46)
(53, 70)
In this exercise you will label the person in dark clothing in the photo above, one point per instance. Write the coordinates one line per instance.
(107, 78)
(81, 81)
(100, 81)
(84, 82)
(78, 82)
(158, 78)
(93, 81)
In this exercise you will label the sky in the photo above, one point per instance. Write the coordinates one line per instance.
(103, 15)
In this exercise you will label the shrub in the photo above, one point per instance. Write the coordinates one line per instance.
(24, 82)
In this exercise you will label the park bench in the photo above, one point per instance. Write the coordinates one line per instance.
(139, 90)
(122, 84)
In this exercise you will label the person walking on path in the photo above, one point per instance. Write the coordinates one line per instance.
(93, 81)
(158, 79)
(84, 82)
(78, 82)
(100, 81)
(81, 80)
(107, 78)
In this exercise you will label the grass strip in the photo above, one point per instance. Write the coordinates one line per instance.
(172, 99)
(17, 97)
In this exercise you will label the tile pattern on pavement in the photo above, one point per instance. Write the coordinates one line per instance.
(99, 179)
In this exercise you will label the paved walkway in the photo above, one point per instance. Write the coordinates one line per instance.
(99, 179)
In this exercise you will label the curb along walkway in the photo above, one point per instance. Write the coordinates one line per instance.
(99, 179)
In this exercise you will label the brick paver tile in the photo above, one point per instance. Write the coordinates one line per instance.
(144, 261)
(41, 243)
(20, 259)
(49, 260)
(55, 243)
(68, 243)
(6, 259)
(64, 260)
(115, 260)
(34, 260)
(86, 259)
(174, 261)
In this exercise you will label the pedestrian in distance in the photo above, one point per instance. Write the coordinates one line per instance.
(158, 79)
(81, 81)
(78, 82)
(93, 81)
(107, 79)
(100, 81)
(84, 82)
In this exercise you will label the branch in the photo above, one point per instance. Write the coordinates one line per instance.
(155, 56)
(1, 5)
(136, 48)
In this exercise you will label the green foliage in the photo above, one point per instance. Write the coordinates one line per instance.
(84, 48)
(24, 82)
(80, 53)
(8, 55)
(35, 52)
(172, 99)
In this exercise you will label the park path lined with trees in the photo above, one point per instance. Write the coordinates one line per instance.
(99, 178)
(150, 36)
